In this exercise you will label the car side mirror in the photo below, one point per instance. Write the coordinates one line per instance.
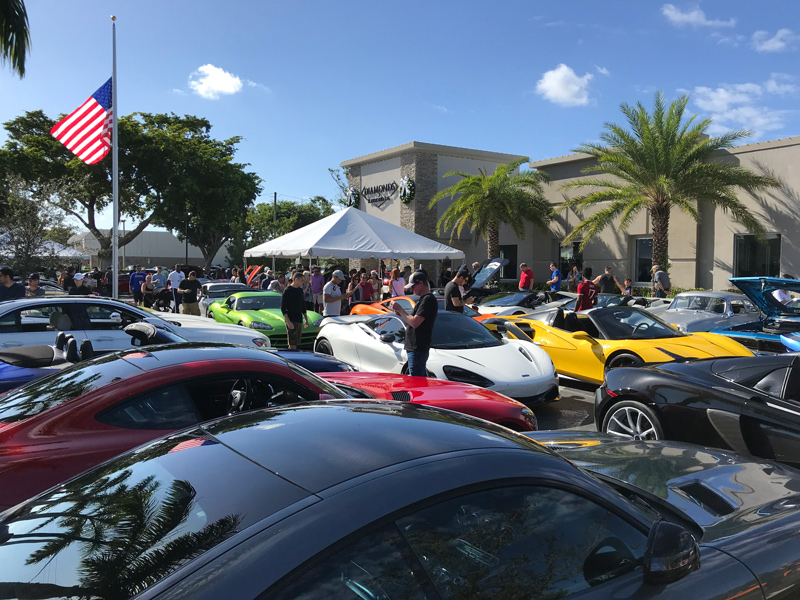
(672, 553)
(115, 317)
(582, 335)
(387, 338)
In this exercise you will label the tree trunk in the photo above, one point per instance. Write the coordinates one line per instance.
(660, 215)
(493, 240)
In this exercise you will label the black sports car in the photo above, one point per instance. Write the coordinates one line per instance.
(357, 501)
(747, 404)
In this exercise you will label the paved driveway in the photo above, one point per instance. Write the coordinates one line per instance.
(575, 410)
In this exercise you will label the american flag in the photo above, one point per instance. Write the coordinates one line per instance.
(192, 443)
(86, 131)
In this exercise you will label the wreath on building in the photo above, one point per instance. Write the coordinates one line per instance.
(406, 190)
(353, 197)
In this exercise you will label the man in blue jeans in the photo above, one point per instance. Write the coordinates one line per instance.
(419, 324)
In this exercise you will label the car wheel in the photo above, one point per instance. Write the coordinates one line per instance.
(323, 347)
(240, 323)
(210, 315)
(633, 420)
(624, 359)
(404, 370)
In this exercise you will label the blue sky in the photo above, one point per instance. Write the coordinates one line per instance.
(310, 84)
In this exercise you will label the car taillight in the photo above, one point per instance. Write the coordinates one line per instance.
(261, 342)
(611, 393)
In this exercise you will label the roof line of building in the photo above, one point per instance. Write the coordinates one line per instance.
(433, 148)
(744, 148)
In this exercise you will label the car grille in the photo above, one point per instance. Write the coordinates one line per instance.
(279, 340)
(769, 346)
(401, 396)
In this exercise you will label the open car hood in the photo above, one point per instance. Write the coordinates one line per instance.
(487, 271)
(759, 290)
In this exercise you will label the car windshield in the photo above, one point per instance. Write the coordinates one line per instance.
(265, 302)
(699, 303)
(505, 300)
(631, 324)
(453, 331)
(47, 392)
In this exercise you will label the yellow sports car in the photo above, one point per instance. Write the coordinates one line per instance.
(584, 345)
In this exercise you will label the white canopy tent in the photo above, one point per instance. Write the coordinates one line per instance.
(352, 233)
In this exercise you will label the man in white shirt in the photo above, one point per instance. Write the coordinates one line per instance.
(175, 277)
(332, 295)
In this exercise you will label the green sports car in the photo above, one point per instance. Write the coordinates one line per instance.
(262, 311)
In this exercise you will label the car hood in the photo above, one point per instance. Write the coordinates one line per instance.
(507, 359)
(723, 492)
(392, 386)
(759, 290)
(694, 345)
(487, 271)
(201, 329)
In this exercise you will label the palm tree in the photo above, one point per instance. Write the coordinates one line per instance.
(484, 202)
(15, 41)
(659, 164)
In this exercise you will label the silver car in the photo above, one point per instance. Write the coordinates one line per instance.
(218, 290)
(703, 311)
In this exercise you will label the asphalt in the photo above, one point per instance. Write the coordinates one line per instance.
(575, 409)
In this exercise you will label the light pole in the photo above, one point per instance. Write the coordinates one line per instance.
(123, 248)
(186, 260)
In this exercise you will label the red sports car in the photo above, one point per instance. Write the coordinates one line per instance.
(458, 397)
(60, 425)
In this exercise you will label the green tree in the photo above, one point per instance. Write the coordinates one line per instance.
(484, 202)
(340, 178)
(661, 162)
(60, 232)
(15, 41)
(209, 194)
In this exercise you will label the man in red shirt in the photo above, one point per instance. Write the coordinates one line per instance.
(526, 278)
(587, 291)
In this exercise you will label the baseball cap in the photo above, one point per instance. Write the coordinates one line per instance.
(416, 277)
(78, 276)
(34, 276)
(338, 273)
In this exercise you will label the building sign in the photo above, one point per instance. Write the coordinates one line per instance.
(379, 194)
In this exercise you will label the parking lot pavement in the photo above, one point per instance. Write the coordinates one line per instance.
(575, 410)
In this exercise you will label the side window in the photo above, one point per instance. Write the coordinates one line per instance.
(716, 305)
(750, 306)
(521, 542)
(11, 322)
(375, 566)
(230, 302)
(104, 317)
(219, 396)
(40, 318)
(388, 325)
(164, 408)
(772, 384)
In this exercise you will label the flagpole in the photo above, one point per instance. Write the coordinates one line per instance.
(114, 163)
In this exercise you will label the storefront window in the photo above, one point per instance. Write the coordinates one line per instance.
(510, 270)
(643, 260)
(757, 259)
(568, 256)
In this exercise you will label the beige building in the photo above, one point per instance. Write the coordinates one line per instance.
(703, 254)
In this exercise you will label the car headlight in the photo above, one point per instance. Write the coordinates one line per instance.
(261, 342)
(317, 322)
(257, 325)
(528, 415)
(464, 376)
(681, 327)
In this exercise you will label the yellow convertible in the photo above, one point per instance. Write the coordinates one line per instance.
(584, 345)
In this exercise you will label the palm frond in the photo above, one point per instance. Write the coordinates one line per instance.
(15, 41)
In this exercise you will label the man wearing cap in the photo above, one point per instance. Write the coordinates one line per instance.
(191, 290)
(267, 280)
(293, 307)
(78, 289)
(9, 289)
(419, 324)
(332, 295)
(32, 290)
(159, 280)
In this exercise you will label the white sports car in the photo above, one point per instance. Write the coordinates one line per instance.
(461, 350)
(35, 322)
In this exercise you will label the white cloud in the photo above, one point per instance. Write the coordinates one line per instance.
(440, 109)
(784, 39)
(602, 70)
(211, 82)
(737, 106)
(562, 86)
(178, 91)
(693, 18)
(729, 40)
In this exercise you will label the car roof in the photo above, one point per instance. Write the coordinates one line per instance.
(252, 293)
(712, 294)
(22, 302)
(166, 355)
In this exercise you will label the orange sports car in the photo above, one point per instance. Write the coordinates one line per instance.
(408, 303)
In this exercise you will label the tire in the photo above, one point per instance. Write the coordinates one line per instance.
(210, 315)
(623, 359)
(240, 324)
(404, 370)
(323, 346)
(632, 420)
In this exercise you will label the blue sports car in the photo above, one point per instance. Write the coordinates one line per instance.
(779, 302)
